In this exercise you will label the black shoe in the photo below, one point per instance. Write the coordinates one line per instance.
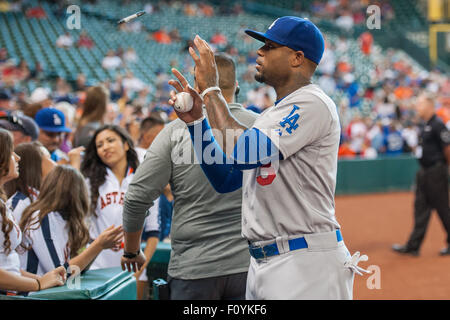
(445, 252)
(405, 250)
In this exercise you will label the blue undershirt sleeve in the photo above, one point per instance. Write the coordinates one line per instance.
(253, 149)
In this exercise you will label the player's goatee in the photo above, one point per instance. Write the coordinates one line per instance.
(259, 77)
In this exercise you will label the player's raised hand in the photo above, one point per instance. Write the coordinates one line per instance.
(206, 73)
(182, 85)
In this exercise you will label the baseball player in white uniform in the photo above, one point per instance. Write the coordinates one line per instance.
(286, 164)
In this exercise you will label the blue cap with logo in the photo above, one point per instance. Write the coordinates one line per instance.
(296, 33)
(52, 120)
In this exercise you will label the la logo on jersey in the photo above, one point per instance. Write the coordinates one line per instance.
(290, 122)
(112, 198)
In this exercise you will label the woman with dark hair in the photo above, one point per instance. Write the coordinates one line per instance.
(34, 165)
(109, 165)
(93, 116)
(12, 279)
(55, 225)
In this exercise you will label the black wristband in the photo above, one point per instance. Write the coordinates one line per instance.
(131, 255)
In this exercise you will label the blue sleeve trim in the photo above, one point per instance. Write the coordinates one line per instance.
(149, 234)
(253, 149)
(220, 173)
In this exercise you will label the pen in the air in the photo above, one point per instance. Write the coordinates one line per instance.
(132, 17)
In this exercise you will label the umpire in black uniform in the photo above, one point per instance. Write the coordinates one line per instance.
(432, 177)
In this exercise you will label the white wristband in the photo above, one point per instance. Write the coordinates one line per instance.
(208, 90)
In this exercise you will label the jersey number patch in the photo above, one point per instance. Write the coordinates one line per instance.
(267, 175)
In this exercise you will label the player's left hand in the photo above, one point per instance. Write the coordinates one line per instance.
(182, 85)
(134, 264)
(206, 73)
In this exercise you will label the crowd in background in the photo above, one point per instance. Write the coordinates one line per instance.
(389, 128)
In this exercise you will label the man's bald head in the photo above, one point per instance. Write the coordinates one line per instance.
(227, 72)
(227, 75)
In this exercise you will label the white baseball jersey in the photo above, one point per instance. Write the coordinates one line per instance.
(296, 195)
(10, 262)
(50, 244)
(109, 212)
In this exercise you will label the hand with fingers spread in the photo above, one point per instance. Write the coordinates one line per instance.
(182, 85)
(111, 237)
(206, 73)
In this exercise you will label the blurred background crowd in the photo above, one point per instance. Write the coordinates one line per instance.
(44, 64)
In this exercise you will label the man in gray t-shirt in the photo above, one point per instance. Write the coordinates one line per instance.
(209, 258)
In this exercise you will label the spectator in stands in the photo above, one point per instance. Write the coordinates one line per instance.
(385, 109)
(130, 56)
(142, 99)
(93, 116)
(350, 87)
(23, 71)
(62, 90)
(5, 101)
(59, 214)
(41, 96)
(327, 83)
(35, 164)
(174, 34)
(161, 36)
(36, 12)
(132, 84)
(345, 21)
(23, 128)
(12, 278)
(109, 166)
(393, 140)
(52, 126)
(111, 61)
(3, 55)
(69, 113)
(149, 129)
(38, 72)
(85, 41)
(410, 137)
(219, 39)
(190, 9)
(357, 132)
(64, 41)
(375, 137)
(80, 83)
(366, 41)
(205, 9)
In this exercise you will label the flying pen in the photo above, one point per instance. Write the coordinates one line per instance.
(132, 17)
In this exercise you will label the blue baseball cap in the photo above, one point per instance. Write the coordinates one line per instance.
(296, 33)
(52, 120)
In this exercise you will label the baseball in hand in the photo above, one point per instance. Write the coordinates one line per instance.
(184, 102)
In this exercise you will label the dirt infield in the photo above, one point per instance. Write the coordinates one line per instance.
(371, 224)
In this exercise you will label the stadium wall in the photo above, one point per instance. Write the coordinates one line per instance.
(357, 176)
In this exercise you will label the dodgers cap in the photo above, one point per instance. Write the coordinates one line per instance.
(52, 120)
(296, 33)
